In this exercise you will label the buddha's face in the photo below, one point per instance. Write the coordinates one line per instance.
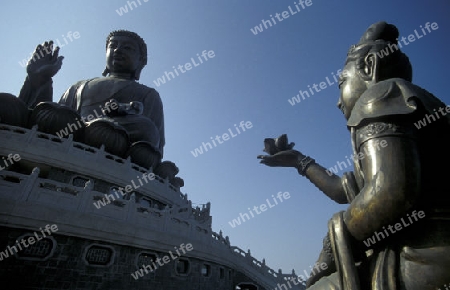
(123, 55)
(352, 86)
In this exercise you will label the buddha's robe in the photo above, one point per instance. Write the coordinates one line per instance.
(88, 97)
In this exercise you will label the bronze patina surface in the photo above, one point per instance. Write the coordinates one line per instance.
(395, 231)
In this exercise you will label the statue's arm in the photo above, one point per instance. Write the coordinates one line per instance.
(32, 94)
(331, 186)
(391, 185)
(45, 63)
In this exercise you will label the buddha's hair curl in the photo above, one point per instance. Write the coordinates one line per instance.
(133, 35)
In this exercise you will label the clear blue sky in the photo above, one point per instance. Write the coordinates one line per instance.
(250, 78)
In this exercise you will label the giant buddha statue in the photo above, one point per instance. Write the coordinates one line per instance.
(114, 111)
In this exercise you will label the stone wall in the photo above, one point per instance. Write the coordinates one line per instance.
(63, 262)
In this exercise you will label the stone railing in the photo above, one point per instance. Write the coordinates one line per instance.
(251, 266)
(170, 222)
(181, 222)
(275, 277)
(51, 150)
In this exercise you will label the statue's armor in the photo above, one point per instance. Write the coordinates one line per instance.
(393, 108)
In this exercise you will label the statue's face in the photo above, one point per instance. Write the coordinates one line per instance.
(351, 86)
(123, 55)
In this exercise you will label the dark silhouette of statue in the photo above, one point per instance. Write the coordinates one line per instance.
(395, 233)
(117, 112)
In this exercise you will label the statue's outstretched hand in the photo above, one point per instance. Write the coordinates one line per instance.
(288, 158)
(45, 63)
(281, 153)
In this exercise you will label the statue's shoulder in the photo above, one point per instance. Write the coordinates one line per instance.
(83, 82)
(391, 97)
(145, 89)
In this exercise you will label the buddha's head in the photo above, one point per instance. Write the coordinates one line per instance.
(126, 54)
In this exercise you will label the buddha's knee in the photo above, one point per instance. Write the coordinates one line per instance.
(140, 128)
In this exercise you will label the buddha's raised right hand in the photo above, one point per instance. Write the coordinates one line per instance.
(44, 64)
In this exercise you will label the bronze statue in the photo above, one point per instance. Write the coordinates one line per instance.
(395, 233)
(117, 111)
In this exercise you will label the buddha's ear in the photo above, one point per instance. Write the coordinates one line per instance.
(137, 73)
(105, 72)
(371, 70)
